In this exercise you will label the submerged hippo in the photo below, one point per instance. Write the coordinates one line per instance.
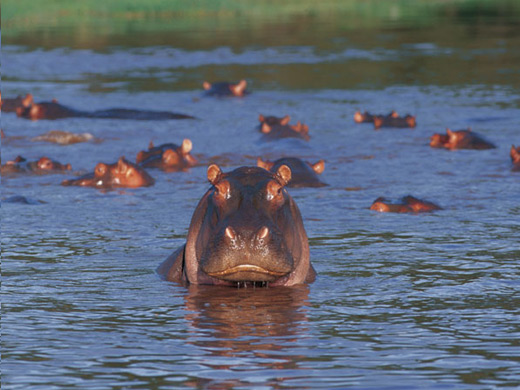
(246, 229)
(224, 88)
(42, 166)
(407, 204)
(12, 104)
(120, 174)
(515, 157)
(391, 120)
(274, 132)
(168, 157)
(55, 110)
(460, 139)
(273, 120)
(303, 174)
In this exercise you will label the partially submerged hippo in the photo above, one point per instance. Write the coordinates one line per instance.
(123, 173)
(273, 120)
(41, 166)
(391, 120)
(460, 139)
(515, 157)
(55, 110)
(246, 229)
(12, 104)
(303, 174)
(274, 132)
(168, 157)
(224, 88)
(407, 204)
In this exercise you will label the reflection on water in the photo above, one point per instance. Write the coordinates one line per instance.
(401, 301)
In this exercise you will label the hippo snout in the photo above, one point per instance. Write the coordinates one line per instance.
(247, 254)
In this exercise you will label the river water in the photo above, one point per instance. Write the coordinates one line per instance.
(401, 301)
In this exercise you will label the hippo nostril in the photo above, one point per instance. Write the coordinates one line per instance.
(230, 233)
(262, 233)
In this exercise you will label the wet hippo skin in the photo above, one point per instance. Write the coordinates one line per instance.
(55, 110)
(460, 139)
(407, 204)
(224, 88)
(271, 133)
(122, 174)
(12, 104)
(41, 166)
(168, 157)
(246, 229)
(391, 120)
(303, 174)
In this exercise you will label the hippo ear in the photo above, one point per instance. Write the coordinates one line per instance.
(186, 146)
(449, 132)
(122, 164)
(267, 165)
(285, 120)
(206, 85)
(27, 100)
(261, 118)
(319, 167)
(68, 167)
(238, 89)
(214, 174)
(393, 114)
(515, 154)
(284, 174)
(266, 128)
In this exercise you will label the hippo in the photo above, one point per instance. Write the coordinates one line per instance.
(55, 110)
(223, 89)
(460, 139)
(392, 119)
(42, 166)
(407, 204)
(12, 104)
(274, 132)
(273, 120)
(123, 173)
(515, 157)
(303, 174)
(168, 157)
(246, 230)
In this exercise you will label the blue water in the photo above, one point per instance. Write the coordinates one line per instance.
(401, 301)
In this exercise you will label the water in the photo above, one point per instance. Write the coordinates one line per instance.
(401, 301)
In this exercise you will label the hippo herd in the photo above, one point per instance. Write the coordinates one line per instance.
(246, 229)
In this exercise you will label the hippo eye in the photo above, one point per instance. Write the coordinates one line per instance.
(273, 190)
(223, 189)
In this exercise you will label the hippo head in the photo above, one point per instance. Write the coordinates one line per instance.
(439, 140)
(179, 157)
(46, 164)
(124, 174)
(247, 228)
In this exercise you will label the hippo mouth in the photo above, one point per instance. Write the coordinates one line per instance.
(247, 272)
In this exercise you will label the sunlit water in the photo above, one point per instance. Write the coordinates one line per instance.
(401, 301)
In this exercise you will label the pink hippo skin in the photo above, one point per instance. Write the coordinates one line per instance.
(42, 166)
(12, 104)
(223, 88)
(122, 174)
(515, 158)
(460, 139)
(168, 157)
(274, 132)
(303, 174)
(246, 229)
(407, 204)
